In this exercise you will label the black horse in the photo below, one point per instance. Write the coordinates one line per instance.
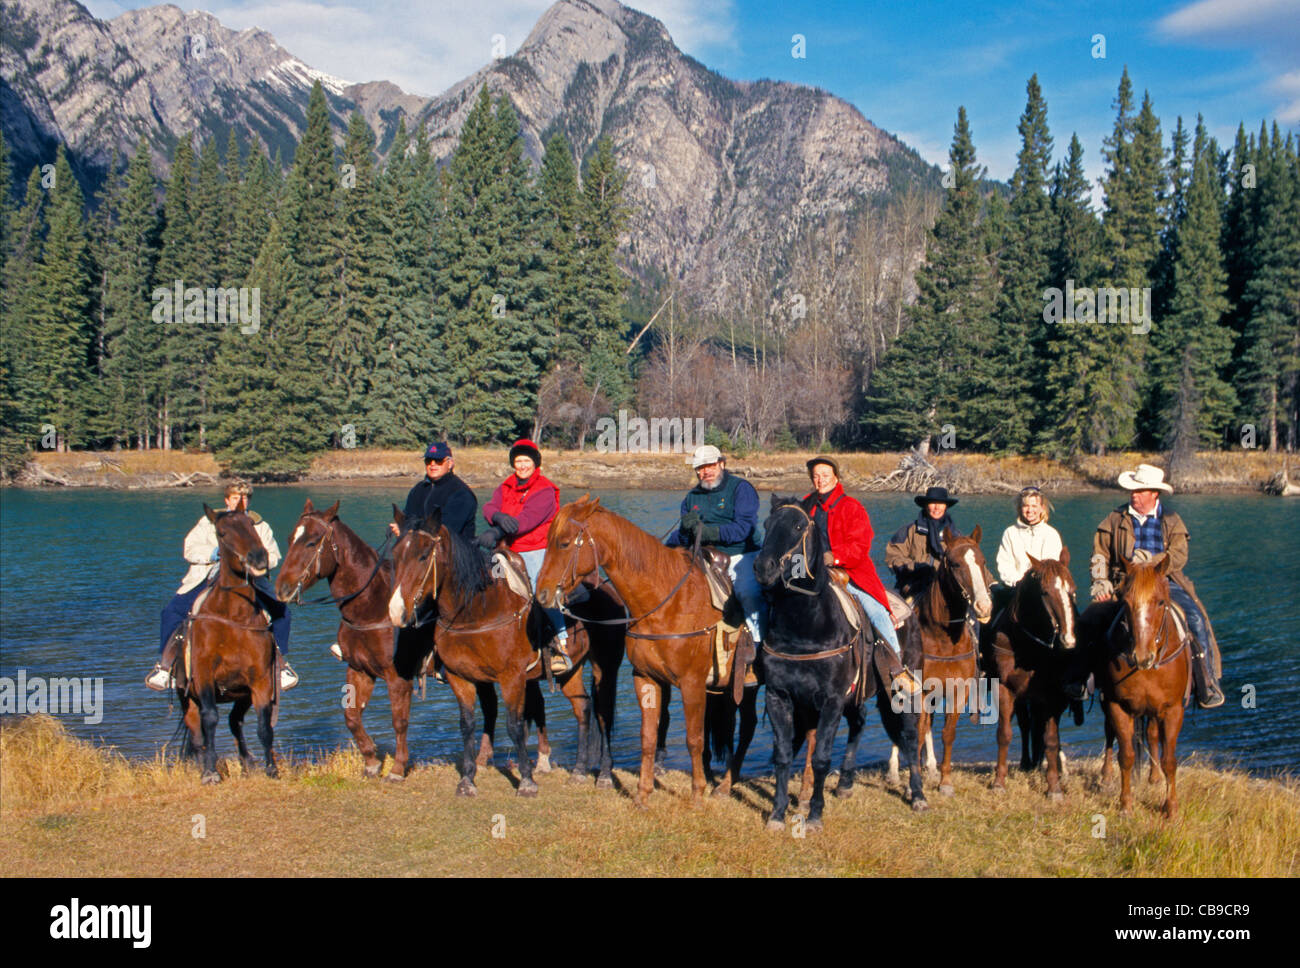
(813, 675)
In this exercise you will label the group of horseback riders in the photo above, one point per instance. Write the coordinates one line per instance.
(721, 512)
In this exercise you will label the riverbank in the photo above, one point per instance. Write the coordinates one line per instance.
(1216, 471)
(69, 805)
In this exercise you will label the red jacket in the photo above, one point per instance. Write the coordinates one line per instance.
(850, 533)
(533, 503)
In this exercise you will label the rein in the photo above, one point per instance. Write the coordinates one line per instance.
(1130, 656)
(296, 597)
(802, 547)
(808, 657)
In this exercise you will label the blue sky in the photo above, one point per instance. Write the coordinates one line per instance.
(905, 66)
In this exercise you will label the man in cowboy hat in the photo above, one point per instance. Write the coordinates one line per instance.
(723, 509)
(914, 551)
(1141, 530)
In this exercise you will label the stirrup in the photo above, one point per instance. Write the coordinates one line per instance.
(560, 661)
(905, 683)
(336, 651)
(288, 678)
(1215, 699)
(160, 679)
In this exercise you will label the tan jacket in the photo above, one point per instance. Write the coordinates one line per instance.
(908, 556)
(202, 541)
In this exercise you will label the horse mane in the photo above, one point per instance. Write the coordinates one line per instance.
(472, 576)
(1142, 582)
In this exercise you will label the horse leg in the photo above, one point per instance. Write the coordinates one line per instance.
(748, 723)
(693, 700)
(820, 746)
(603, 687)
(1123, 724)
(780, 714)
(806, 781)
(849, 765)
(1171, 721)
(950, 718)
(654, 717)
(360, 686)
(266, 730)
(1022, 720)
(236, 721)
(399, 698)
(193, 742)
(487, 701)
(514, 695)
(575, 690)
(1055, 766)
(535, 712)
(1153, 748)
(208, 721)
(661, 734)
(1005, 705)
(464, 691)
(1108, 757)
(891, 774)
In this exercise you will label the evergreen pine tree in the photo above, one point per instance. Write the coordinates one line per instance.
(175, 265)
(603, 216)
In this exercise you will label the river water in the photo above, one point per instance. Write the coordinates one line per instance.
(83, 575)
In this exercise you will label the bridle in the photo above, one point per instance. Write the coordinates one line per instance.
(1130, 654)
(801, 548)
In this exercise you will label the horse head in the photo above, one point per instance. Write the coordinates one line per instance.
(242, 550)
(312, 554)
(571, 552)
(1144, 608)
(1050, 584)
(420, 560)
(792, 546)
(964, 563)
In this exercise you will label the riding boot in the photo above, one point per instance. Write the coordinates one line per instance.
(160, 676)
(1208, 693)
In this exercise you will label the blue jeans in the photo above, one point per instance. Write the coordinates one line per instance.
(881, 620)
(179, 607)
(750, 593)
(1195, 618)
(533, 563)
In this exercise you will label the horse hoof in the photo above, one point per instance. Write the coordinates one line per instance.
(604, 783)
(844, 792)
(372, 771)
(1000, 789)
(211, 777)
(946, 789)
(273, 772)
(527, 788)
(1056, 796)
(395, 775)
(661, 770)
(721, 791)
(776, 826)
(543, 763)
(812, 826)
(466, 788)
(577, 777)
(892, 777)
(920, 806)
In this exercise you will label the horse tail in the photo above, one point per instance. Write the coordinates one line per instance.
(719, 724)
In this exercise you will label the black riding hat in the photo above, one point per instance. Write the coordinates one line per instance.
(935, 495)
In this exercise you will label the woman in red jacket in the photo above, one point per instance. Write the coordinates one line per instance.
(847, 530)
(520, 511)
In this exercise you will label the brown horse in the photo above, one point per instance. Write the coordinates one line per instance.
(940, 630)
(1143, 668)
(485, 634)
(229, 652)
(671, 616)
(323, 547)
(1030, 642)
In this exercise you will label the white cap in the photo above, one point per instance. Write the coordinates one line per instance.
(705, 454)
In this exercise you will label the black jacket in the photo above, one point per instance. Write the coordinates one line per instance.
(451, 494)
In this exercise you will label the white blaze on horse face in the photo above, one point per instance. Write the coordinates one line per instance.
(396, 610)
(1067, 633)
(298, 533)
(983, 604)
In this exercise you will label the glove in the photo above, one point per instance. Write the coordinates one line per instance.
(1098, 567)
(1102, 590)
(828, 559)
(690, 521)
(489, 538)
(710, 533)
(506, 523)
(216, 554)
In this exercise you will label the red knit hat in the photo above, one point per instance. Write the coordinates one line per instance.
(528, 449)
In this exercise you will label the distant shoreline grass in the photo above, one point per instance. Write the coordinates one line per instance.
(69, 805)
(1217, 471)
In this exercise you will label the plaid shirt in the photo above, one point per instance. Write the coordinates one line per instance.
(1148, 535)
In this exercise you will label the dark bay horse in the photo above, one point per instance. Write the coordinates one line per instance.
(483, 636)
(1029, 646)
(323, 547)
(812, 657)
(948, 646)
(1143, 669)
(229, 652)
(671, 618)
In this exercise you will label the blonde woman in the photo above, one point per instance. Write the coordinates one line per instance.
(1029, 535)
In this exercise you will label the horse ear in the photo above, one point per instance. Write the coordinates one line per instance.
(398, 517)
(1162, 566)
(1034, 563)
(308, 507)
(584, 499)
(947, 536)
(332, 511)
(1065, 556)
(977, 533)
(434, 521)
(211, 514)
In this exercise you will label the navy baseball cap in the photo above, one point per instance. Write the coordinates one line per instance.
(437, 451)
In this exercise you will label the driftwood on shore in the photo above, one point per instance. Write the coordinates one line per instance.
(914, 474)
(188, 480)
(1281, 483)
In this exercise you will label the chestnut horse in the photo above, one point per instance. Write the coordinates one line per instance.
(229, 652)
(482, 637)
(671, 618)
(948, 646)
(1143, 668)
(323, 547)
(1030, 644)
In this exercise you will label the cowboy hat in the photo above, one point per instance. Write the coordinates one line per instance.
(1147, 477)
(935, 495)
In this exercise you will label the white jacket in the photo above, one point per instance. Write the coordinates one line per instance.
(202, 541)
(1019, 542)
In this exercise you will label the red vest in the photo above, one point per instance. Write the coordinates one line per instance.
(850, 533)
(513, 497)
